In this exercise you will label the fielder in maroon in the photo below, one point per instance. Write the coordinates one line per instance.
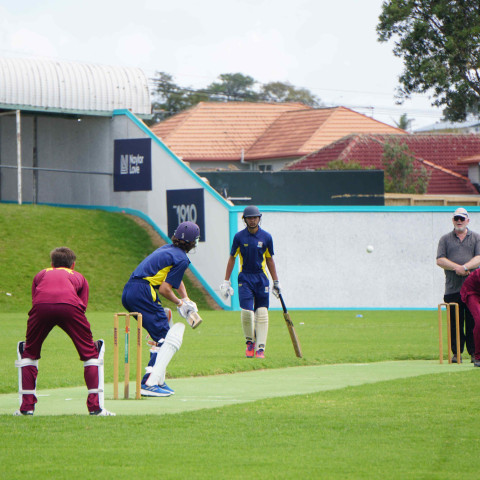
(60, 297)
(470, 293)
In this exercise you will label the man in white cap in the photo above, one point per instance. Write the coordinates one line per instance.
(458, 254)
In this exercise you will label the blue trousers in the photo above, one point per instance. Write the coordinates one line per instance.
(139, 296)
(253, 290)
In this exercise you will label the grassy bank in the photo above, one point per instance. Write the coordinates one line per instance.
(108, 247)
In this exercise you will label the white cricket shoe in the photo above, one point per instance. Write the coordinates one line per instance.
(19, 412)
(103, 413)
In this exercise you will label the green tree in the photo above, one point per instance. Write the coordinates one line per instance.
(169, 98)
(439, 42)
(401, 175)
(404, 122)
(286, 92)
(341, 165)
(233, 87)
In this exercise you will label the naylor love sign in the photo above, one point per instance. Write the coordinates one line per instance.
(132, 165)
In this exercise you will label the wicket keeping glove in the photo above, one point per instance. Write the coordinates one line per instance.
(277, 289)
(226, 289)
(184, 309)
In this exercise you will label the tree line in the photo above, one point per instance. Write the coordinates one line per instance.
(170, 98)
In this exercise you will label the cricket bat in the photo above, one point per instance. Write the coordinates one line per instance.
(194, 319)
(291, 329)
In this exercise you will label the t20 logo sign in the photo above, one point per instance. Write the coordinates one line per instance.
(186, 206)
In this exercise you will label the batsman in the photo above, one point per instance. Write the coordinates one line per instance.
(254, 246)
(160, 274)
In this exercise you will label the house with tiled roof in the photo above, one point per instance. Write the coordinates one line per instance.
(258, 136)
(446, 157)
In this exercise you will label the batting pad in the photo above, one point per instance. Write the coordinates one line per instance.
(261, 326)
(248, 325)
(98, 362)
(171, 345)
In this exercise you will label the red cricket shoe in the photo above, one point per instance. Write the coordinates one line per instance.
(260, 353)
(250, 351)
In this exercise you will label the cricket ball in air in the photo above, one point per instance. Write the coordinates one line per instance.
(369, 248)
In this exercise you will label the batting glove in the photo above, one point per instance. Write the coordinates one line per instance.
(184, 309)
(226, 289)
(277, 289)
(191, 303)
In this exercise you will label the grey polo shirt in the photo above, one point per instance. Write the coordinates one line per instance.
(453, 249)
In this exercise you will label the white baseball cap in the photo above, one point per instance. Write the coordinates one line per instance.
(460, 212)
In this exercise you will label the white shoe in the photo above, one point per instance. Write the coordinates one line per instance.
(103, 413)
(19, 412)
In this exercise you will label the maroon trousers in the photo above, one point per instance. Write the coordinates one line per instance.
(473, 304)
(42, 318)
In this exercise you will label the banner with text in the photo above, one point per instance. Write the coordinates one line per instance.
(132, 165)
(183, 206)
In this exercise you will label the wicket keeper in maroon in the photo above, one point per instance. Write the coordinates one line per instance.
(60, 298)
(470, 293)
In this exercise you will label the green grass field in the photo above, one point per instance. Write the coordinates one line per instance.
(418, 427)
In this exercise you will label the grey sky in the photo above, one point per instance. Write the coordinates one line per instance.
(329, 47)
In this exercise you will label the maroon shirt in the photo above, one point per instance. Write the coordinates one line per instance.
(60, 285)
(471, 285)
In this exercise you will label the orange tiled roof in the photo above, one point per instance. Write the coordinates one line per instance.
(219, 131)
(213, 131)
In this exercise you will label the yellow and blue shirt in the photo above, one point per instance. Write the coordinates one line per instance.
(167, 263)
(253, 249)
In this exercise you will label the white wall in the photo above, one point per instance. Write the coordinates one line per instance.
(322, 260)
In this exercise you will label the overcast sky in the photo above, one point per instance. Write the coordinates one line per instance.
(329, 47)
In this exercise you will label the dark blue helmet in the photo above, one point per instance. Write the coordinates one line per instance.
(251, 211)
(189, 232)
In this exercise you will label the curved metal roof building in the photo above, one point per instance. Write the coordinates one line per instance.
(72, 88)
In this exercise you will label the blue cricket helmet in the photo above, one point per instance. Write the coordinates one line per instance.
(189, 232)
(251, 211)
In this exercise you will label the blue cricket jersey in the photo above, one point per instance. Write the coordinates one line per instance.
(253, 250)
(167, 263)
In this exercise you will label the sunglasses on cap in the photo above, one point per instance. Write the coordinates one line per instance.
(459, 219)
